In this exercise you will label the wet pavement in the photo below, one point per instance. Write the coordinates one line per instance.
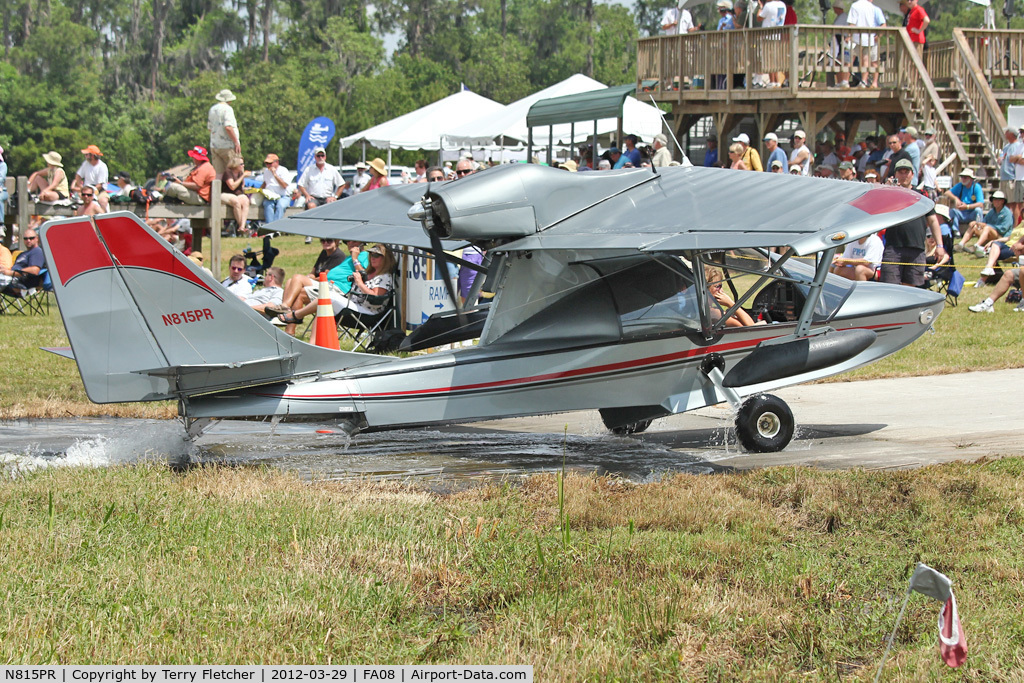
(877, 424)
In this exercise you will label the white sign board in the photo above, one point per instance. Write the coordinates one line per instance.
(423, 295)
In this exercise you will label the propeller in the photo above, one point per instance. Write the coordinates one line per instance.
(425, 213)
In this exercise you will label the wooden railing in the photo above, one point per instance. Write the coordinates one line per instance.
(917, 94)
(999, 52)
(206, 216)
(810, 57)
(939, 60)
(974, 89)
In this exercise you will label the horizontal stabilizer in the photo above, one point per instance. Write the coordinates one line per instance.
(63, 351)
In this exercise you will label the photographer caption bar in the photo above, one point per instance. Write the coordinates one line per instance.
(264, 674)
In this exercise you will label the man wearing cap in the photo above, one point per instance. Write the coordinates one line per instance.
(362, 177)
(224, 140)
(847, 171)
(930, 146)
(93, 173)
(195, 188)
(275, 188)
(996, 225)
(968, 200)
(908, 138)
(711, 151)
(777, 166)
(615, 156)
(124, 184)
(801, 154)
(726, 18)
(903, 260)
(775, 153)
(662, 156)
(751, 158)
(320, 183)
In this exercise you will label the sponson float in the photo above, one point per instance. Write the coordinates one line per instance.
(601, 303)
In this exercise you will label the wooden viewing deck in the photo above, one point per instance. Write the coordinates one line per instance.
(958, 88)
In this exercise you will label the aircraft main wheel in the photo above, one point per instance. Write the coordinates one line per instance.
(632, 427)
(764, 424)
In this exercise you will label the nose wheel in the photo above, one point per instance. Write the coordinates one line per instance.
(764, 424)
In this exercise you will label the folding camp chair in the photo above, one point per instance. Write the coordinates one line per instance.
(34, 301)
(367, 330)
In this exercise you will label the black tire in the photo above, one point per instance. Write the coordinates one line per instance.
(631, 428)
(764, 424)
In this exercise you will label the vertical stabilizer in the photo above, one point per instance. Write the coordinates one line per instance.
(145, 323)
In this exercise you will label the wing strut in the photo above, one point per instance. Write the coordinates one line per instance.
(814, 292)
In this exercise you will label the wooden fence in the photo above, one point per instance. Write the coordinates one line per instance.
(204, 218)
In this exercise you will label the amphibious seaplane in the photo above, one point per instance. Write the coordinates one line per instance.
(602, 302)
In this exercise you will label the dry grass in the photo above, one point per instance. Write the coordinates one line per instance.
(765, 575)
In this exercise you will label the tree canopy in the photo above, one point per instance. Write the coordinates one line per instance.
(137, 77)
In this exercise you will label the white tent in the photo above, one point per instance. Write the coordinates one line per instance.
(509, 126)
(422, 129)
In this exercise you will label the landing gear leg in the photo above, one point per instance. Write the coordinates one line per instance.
(764, 423)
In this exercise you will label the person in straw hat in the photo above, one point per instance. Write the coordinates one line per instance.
(378, 175)
(225, 143)
(50, 183)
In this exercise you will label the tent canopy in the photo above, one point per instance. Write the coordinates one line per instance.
(510, 124)
(585, 106)
(423, 128)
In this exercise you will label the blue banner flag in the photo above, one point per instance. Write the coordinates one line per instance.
(317, 134)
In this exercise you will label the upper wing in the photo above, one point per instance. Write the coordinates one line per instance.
(375, 216)
(683, 208)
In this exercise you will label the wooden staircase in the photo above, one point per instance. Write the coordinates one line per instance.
(966, 124)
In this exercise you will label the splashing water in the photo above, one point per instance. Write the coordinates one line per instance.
(96, 443)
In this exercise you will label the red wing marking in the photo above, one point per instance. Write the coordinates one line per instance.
(885, 200)
(132, 245)
(76, 249)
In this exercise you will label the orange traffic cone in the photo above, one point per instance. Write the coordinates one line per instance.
(325, 330)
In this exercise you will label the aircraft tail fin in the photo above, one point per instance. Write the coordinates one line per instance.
(146, 324)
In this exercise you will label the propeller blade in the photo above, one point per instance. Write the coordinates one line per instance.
(442, 262)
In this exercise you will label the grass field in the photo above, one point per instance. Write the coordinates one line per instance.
(39, 384)
(781, 574)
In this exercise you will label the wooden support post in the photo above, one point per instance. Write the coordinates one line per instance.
(24, 213)
(216, 225)
(794, 60)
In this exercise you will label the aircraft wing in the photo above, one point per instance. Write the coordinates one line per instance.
(376, 216)
(684, 208)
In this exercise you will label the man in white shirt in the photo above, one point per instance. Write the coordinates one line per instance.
(864, 14)
(236, 282)
(677, 20)
(320, 183)
(275, 188)
(860, 259)
(93, 173)
(362, 177)
(773, 14)
(224, 140)
(801, 155)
